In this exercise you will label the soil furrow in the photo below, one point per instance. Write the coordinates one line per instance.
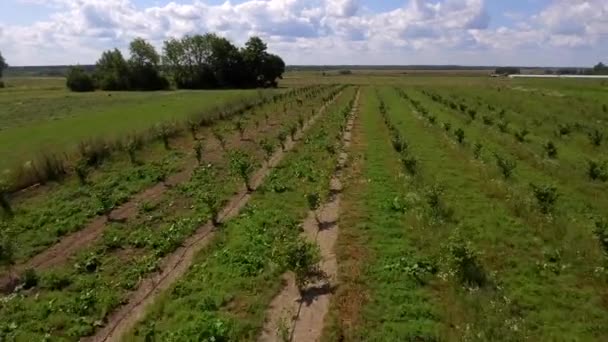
(302, 314)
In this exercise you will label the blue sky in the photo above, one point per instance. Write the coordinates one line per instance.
(469, 32)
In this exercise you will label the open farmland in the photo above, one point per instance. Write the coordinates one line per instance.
(372, 206)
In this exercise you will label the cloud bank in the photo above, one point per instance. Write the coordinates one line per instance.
(323, 31)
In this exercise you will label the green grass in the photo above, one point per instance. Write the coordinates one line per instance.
(34, 121)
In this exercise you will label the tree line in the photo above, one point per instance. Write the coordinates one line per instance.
(193, 62)
(3, 66)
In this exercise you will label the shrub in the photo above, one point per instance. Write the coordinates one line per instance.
(399, 143)
(219, 136)
(5, 203)
(132, 145)
(506, 166)
(503, 126)
(282, 139)
(241, 165)
(410, 163)
(477, 148)
(432, 119)
(314, 203)
(437, 208)
(301, 122)
(459, 135)
(472, 113)
(29, 279)
(164, 132)
(546, 196)
(240, 128)
(601, 232)
(293, 130)
(521, 135)
(79, 81)
(193, 127)
(1, 84)
(487, 120)
(268, 149)
(447, 126)
(597, 170)
(82, 171)
(198, 151)
(208, 192)
(550, 149)
(564, 129)
(465, 260)
(303, 260)
(7, 250)
(596, 137)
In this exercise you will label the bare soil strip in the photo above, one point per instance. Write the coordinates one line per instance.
(176, 264)
(300, 317)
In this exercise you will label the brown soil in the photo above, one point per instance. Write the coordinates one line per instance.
(296, 316)
(176, 264)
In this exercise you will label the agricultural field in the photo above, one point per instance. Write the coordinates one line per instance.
(371, 206)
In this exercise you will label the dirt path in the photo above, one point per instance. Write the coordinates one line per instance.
(296, 317)
(177, 263)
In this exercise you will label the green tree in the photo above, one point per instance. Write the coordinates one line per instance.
(3, 64)
(144, 66)
(112, 71)
(78, 80)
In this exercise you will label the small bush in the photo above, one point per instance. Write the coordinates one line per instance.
(564, 130)
(268, 148)
(596, 137)
(505, 165)
(601, 232)
(410, 163)
(597, 170)
(239, 127)
(78, 80)
(438, 209)
(503, 126)
(477, 149)
(314, 203)
(546, 196)
(521, 135)
(487, 120)
(241, 165)
(303, 260)
(219, 136)
(459, 135)
(282, 137)
(198, 151)
(465, 260)
(29, 279)
(82, 171)
(399, 143)
(293, 130)
(208, 193)
(5, 203)
(432, 119)
(550, 149)
(447, 126)
(472, 113)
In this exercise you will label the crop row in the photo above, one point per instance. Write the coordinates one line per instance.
(72, 300)
(507, 234)
(42, 220)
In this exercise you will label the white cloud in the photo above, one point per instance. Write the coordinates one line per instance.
(317, 31)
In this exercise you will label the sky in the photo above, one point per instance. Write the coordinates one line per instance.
(318, 32)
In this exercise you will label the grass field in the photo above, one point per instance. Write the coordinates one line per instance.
(40, 118)
(472, 209)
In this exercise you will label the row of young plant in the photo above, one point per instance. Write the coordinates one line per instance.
(234, 280)
(547, 194)
(72, 300)
(596, 169)
(54, 167)
(549, 228)
(42, 221)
